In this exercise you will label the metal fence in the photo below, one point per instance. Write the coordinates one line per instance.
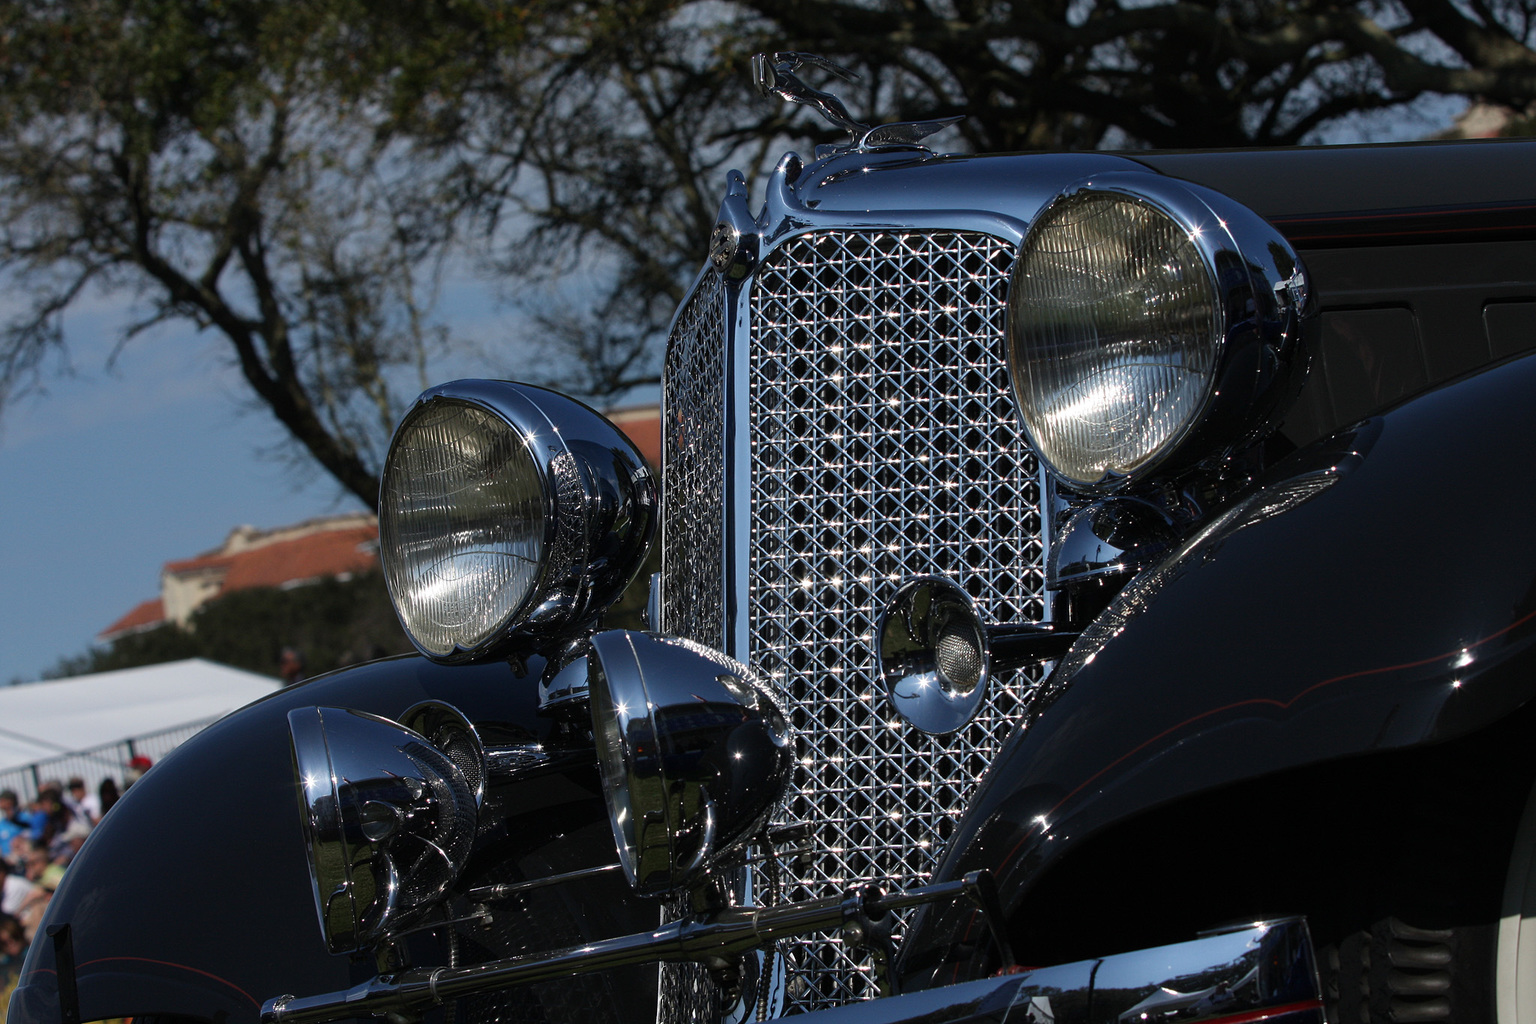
(97, 763)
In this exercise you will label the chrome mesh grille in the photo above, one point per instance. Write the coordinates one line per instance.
(692, 545)
(693, 454)
(884, 445)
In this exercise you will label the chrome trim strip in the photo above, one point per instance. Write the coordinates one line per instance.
(738, 495)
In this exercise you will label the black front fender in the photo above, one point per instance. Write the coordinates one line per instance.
(1378, 595)
(193, 897)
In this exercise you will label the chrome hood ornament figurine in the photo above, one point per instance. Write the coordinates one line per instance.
(775, 76)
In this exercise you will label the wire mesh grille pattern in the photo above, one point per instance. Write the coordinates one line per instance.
(693, 537)
(884, 446)
(693, 452)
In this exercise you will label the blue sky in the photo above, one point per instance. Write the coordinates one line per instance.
(115, 471)
(109, 475)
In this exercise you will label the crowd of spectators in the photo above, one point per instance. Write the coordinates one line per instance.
(38, 840)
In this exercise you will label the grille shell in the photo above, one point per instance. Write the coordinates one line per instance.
(882, 444)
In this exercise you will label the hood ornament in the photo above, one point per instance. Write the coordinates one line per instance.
(775, 76)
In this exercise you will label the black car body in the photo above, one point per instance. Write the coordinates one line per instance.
(1282, 672)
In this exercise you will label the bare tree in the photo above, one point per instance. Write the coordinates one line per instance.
(609, 136)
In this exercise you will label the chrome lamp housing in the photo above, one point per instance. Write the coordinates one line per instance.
(1152, 324)
(388, 817)
(693, 749)
(935, 660)
(508, 512)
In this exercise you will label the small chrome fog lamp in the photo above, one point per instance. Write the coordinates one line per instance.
(693, 749)
(388, 819)
(934, 658)
(508, 510)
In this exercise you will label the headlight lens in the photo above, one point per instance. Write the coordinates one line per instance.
(1152, 323)
(508, 511)
(1117, 335)
(463, 512)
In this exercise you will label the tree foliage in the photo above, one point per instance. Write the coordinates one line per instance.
(1190, 73)
(294, 176)
(607, 138)
(225, 163)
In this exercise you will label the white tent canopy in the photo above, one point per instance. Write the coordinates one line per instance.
(39, 721)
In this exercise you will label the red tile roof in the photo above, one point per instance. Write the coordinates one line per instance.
(186, 565)
(320, 554)
(144, 615)
(316, 556)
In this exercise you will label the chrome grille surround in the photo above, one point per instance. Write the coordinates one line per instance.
(880, 443)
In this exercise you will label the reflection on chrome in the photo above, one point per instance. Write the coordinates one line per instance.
(1263, 971)
(934, 657)
(693, 749)
(388, 818)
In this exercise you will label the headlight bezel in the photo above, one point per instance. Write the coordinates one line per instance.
(598, 507)
(1260, 300)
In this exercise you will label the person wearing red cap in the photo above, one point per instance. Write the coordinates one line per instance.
(137, 766)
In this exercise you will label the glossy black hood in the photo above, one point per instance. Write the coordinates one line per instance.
(1318, 195)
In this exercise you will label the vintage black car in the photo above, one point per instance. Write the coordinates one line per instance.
(1095, 587)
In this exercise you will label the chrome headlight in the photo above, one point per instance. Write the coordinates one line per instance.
(1151, 323)
(694, 753)
(508, 510)
(389, 817)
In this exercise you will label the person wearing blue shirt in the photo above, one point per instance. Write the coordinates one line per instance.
(12, 822)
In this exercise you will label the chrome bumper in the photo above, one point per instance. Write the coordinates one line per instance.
(1259, 972)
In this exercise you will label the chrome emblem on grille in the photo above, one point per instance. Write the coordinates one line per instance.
(723, 244)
